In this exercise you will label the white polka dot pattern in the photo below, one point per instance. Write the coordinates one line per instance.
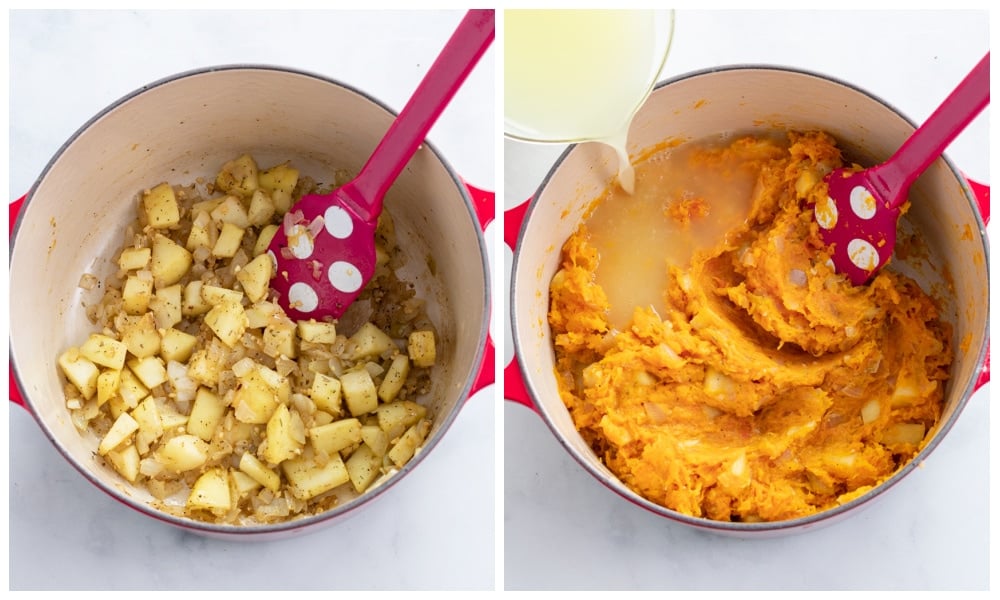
(300, 242)
(338, 222)
(303, 297)
(344, 276)
(862, 202)
(863, 254)
(826, 213)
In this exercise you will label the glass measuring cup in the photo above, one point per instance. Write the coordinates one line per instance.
(580, 75)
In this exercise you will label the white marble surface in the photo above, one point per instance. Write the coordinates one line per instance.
(435, 529)
(562, 529)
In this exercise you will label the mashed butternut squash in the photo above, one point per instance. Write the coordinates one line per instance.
(763, 386)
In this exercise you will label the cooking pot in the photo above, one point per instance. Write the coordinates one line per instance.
(945, 210)
(184, 127)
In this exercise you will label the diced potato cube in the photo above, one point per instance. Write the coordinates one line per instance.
(231, 211)
(375, 438)
(150, 370)
(122, 429)
(214, 294)
(261, 313)
(205, 366)
(206, 414)
(170, 261)
(229, 241)
(278, 383)
(255, 277)
(282, 201)
(136, 294)
(81, 372)
(404, 449)
(194, 303)
(182, 453)
(359, 392)
(394, 378)
(105, 351)
(134, 259)
(285, 435)
(325, 393)
(141, 337)
(364, 466)
(334, 437)
(252, 466)
(307, 479)
(420, 347)
(261, 208)
(396, 417)
(160, 204)
(903, 433)
(131, 389)
(238, 176)
(228, 321)
(125, 461)
(211, 492)
(264, 239)
(279, 339)
(107, 385)
(254, 400)
(369, 340)
(166, 306)
(242, 483)
(177, 345)
(279, 177)
(317, 332)
(202, 236)
(147, 415)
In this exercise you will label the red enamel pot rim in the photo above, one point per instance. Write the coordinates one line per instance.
(475, 370)
(526, 385)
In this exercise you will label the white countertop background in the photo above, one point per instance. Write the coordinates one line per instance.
(563, 529)
(432, 530)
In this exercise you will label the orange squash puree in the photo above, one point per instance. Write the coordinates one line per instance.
(757, 384)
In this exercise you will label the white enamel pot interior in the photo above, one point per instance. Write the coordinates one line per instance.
(185, 127)
(745, 99)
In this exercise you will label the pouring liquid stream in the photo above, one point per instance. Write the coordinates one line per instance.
(579, 75)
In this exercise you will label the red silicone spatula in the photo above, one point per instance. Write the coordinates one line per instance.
(324, 252)
(858, 219)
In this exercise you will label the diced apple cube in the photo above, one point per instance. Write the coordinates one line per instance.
(420, 347)
(254, 401)
(147, 415)
(279, 177)
(375, 438)
(134, 259)
(903, 433)
(206, 414)
(182, 453)
(211, 492)
(261, 313)
(242, 483)
(394, 378)
(334, 437)
(131, 389)
(279, 338)
(261, 208)
(136, 294)
(252, 466)
(170, 261)
(107, 385)
(214, 294)
(150, 370)
(81, 372)
(177, 345)
(359, 392)
(105, 351)
(369, 341)
(363, 467)
(317, 332)
(160, 204)
(229, 241)
(238, 176)
(122, 429)
(307, 479)
(255, 277)
(228, 321)
(202, 236)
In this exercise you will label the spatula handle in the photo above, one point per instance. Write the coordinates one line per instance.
(467, 44)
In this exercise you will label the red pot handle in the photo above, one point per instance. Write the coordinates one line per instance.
(982, 193)
(482, 202)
